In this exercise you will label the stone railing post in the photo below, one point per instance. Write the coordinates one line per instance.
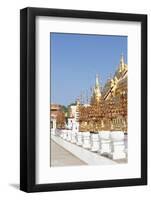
(56, 132)
(65, 134)
(52, 131)
(95, 142)
(105, 146)
(86, 140)
(61, 133)
(69, 132)
(73, 136)
(117, 145)
(79, 138)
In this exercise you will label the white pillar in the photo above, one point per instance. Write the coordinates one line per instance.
(52, 131)
(79, 138)
(54, 124)
(117, 145)
(57, 132)
(61, 133)
(73, 137)
(126, 144)
(69, 135)
(65, 134)
(86, 140)
(105, 146)
(95, 142)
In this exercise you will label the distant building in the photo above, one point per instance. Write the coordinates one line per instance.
(57, 116)
(73, 119)
(74, 112)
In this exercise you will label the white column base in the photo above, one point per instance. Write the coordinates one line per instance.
(61, 133)
(95, 145)
(73, 137)
(105, 143)
(79, 139)
(69, 136)
(117, 155)
(53, 131)
(86, 140)
(65, 134)
(56, 132)
(126, 152)
(105, 147)
(117, 146)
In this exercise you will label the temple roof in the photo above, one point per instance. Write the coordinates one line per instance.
(118, 79)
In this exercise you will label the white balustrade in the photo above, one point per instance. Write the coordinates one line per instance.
(117, 145)
(105, 143)
(112, 144)
(79, 138)
(95, 144)
(86, 140)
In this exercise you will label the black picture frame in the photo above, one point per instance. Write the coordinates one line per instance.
(28, 99)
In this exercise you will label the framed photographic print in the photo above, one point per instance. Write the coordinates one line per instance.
(83, 99)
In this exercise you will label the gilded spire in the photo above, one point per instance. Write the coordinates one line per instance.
(122, 60)
(97, 92)
(97, 81)
(122, 63)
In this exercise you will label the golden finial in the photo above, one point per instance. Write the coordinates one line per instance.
(97, 80)
(122, 60)
(97, 92)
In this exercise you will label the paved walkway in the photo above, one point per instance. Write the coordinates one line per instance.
(62, 157)
(84, 155)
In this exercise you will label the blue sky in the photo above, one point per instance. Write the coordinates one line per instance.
(75, 59)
